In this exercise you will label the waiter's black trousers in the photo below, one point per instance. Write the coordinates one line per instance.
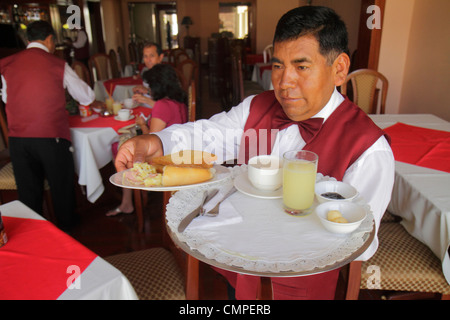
(36, 159)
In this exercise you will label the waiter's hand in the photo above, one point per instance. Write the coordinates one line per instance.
(138, 149)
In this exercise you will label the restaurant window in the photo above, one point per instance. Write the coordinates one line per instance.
(233, 19)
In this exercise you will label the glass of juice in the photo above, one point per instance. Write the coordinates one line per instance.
(299, 180)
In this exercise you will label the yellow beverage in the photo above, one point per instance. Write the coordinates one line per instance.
(109, 105)
(299, 180)
(116, 107)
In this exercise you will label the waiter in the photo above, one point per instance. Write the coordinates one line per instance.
(81, 46)
(34, 83)
(306, 111)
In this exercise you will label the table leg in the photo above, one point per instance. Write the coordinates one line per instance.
(192, 278)
(265, 289)
(139, 209)
(354, 280)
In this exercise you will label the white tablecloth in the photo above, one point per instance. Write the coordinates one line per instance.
(92, 151)
(265, 80)
(99, 281)
(121, 92)
(421, 196)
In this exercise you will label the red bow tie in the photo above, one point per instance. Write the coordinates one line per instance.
(308, 128)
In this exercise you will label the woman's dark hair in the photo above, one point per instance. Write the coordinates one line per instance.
(39, 30)
(321, 22)
(163, 82)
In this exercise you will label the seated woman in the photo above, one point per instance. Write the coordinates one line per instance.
(170, 108)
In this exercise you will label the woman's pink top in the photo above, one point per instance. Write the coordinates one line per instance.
(170, 111)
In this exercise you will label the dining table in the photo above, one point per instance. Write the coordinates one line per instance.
(253, 235)
(92, 138)
(118, 88)
(41, 262)
(421, 191)
(262, 74)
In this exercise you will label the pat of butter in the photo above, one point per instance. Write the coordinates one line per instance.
(336, 216)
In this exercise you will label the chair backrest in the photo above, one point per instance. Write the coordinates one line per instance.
(82, 71)
(114, 64)
(268, 53)
(122, 58)
(365, 90)
(237, 79)
(173, 53)
(180, 57)
(100, 65)
(192, 101)
(189, 69)
(133, 52)
(140, 51)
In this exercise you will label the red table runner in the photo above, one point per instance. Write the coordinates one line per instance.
(101, 122)
(111, 84)
(420, 146)
(34, 262)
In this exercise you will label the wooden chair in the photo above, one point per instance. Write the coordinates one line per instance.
(7, 180)
(268, 53)
(100, 65)
(115, 70)
(122, 58)
(133, 52)
(173, 53)
(405, 265)
(189, 69)
(241, 88)
(82, 71)
(192, 101)
(364, 90)
(180, 57)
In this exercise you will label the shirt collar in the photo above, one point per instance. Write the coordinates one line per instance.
(334, 102)
(37, 45)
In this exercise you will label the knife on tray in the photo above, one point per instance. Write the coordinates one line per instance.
(196, 212)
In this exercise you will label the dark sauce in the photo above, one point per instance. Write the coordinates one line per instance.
(332, 195)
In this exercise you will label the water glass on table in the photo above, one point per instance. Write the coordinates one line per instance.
(299, 179)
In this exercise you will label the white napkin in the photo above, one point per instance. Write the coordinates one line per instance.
(227, 212)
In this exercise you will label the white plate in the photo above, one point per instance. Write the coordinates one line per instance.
(244, 185)
(220, 174)
(118, 119)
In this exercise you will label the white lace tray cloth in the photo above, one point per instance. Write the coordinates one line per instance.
(264, 238)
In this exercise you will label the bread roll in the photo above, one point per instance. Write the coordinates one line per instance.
(187, 158)
(179, 176)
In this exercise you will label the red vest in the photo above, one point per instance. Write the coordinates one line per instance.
(344, 136)
(36, 98)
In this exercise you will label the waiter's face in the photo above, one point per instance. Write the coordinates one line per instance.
(302, 78)
(151, 57)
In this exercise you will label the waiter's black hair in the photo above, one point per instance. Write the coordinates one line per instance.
(321, 22)
(39, 30)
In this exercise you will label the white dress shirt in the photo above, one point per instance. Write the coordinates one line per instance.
(372, 174)
(76, 87)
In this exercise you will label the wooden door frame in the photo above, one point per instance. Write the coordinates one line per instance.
(369, 40)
